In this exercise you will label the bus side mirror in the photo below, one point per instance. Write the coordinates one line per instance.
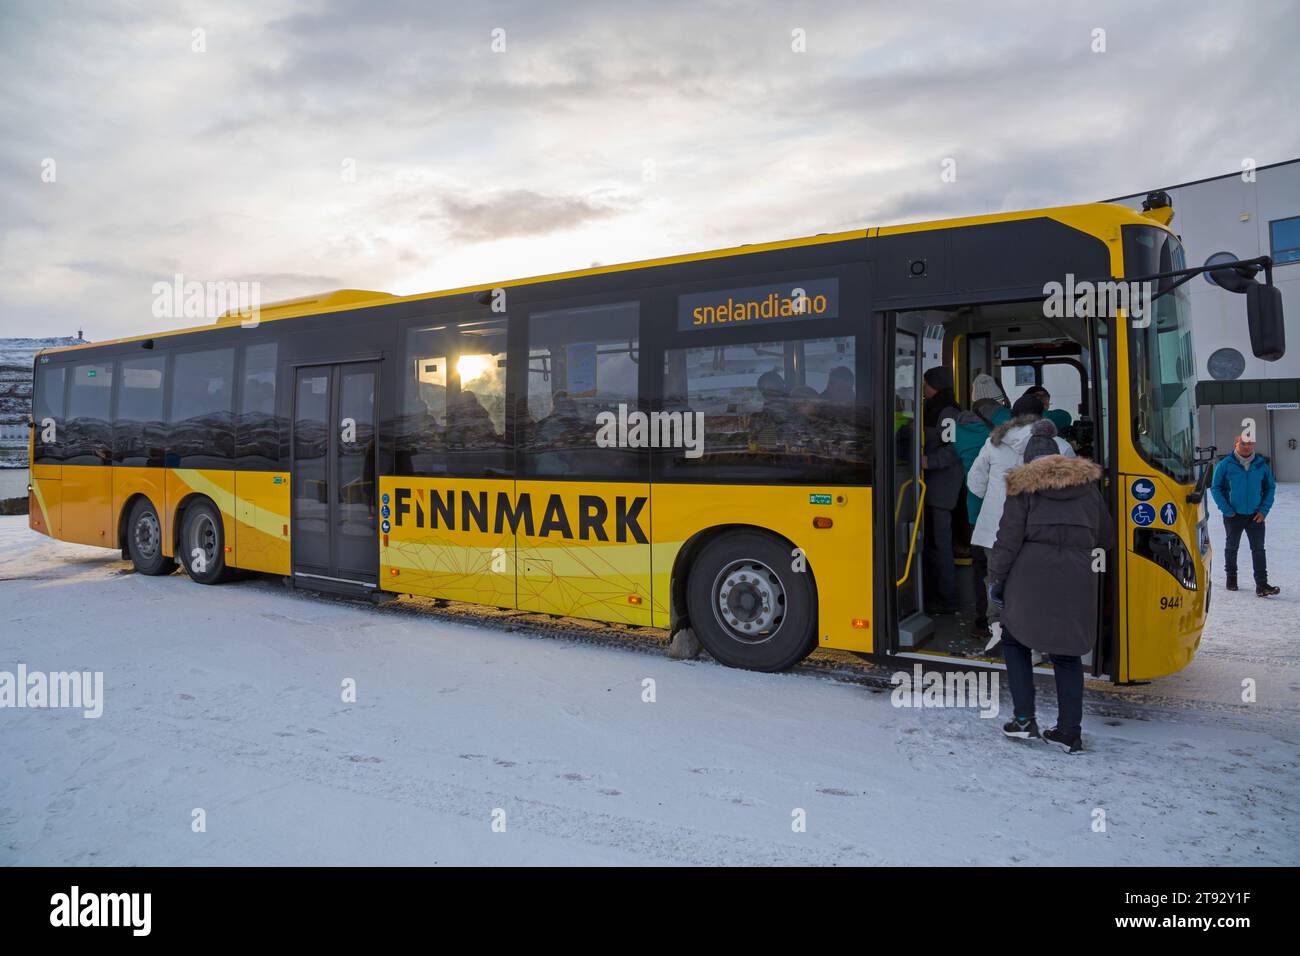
(1264, 319)
(1234, 278)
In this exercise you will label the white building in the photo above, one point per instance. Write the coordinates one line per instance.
(1242, 215)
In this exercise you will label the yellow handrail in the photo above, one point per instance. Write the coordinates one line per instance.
(911, 547)
(898, 505)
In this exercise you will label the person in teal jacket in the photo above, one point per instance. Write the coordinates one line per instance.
(987, 411)
(1243, 488)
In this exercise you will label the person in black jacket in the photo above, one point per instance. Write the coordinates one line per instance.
(943, 484)
(1042, 574)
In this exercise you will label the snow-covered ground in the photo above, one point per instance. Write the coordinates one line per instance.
(229, 700)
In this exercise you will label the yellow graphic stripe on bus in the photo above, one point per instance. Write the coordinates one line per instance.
(266, 519)
(40, 503)
(198, 481)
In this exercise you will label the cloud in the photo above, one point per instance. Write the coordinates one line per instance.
(519, 212)
(387, 146)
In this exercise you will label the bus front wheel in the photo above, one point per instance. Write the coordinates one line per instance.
(203, 544)
(144, 541)
(747, 604)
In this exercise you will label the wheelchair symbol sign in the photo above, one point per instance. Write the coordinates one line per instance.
(1168, 513)
(1143, 515)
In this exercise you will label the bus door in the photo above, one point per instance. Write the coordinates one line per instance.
(333, 512)
(906, 487)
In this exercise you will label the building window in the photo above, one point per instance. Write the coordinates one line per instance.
(582, 363)
(1284, 240)
(1226, 365)
(1217, 259)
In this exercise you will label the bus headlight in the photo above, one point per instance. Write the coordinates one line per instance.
(1167, 550)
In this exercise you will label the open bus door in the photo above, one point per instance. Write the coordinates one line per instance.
(901, 478)
(1101, 402)
(904, 538)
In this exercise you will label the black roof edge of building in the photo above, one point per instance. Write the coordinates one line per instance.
(1197, 182)
(1247, 391)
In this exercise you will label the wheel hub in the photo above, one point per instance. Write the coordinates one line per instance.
(205, 539)
(147, 535)
(749, 601)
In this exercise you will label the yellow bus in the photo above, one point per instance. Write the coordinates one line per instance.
(724, 441)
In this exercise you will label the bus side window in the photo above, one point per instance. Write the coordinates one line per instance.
(786, 410)
(582, 363)
(201, 423)
(257, 431)
(138, 432)
(89, 438)
(451, 416)
(47, 413)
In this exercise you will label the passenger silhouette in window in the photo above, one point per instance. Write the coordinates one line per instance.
(767, 426)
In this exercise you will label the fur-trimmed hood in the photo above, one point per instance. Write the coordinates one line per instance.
(999, 433)
(1052, 473)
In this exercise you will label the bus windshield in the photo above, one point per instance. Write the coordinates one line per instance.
(1162, 362)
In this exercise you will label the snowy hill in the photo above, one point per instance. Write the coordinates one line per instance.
(16, 358)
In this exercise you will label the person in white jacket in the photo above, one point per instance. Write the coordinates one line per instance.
(1004, 449)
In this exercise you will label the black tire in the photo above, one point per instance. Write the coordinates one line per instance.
(748, 606)
(202, 548)
(144, 541)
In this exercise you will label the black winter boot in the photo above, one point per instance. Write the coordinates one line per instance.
(1070, 744)
(1022, 729)
(1232, 582)
(1266, 590)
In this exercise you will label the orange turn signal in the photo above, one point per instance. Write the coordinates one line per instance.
(861, 623)
(634, 599)
(822, 522)
(393, 571)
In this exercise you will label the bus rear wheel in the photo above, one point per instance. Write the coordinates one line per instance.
(747, 604)
(144, 541)
(203, 544)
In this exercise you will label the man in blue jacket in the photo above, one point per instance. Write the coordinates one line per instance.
(1243, 489)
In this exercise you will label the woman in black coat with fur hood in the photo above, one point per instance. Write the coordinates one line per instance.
(1044, 573)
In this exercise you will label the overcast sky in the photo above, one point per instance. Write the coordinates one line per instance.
(603, 132)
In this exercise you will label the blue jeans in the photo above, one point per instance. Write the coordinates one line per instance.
(1068, 671)
(1233, 526)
